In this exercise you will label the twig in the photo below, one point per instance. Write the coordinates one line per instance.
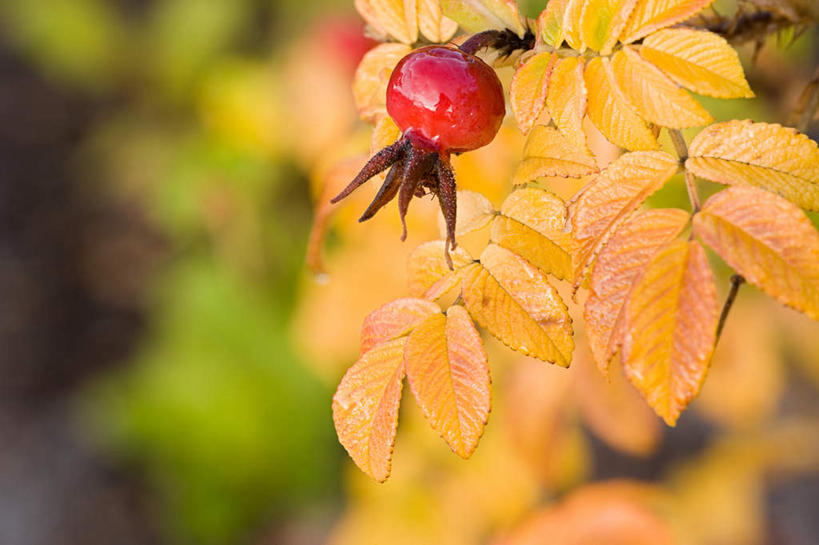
(736, 281)
(810, 104)
(690, 180)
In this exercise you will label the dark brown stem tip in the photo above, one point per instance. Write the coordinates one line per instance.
(504, 41)
(736, 281)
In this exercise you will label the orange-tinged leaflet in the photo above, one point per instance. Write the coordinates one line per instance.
(365, 407)
(670, 328)
(766, 239)
(448, 374)
(622, 187)
(619, 265)
(394, 319)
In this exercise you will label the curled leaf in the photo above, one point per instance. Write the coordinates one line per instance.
(385, 133)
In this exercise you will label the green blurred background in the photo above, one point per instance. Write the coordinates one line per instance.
(155, 202)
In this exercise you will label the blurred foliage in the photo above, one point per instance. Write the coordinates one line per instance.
(218, 408)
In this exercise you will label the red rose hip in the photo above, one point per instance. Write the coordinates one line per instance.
(445, 101)
(446, 98)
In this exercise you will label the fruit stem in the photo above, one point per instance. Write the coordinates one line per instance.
(504, 41)
(690, 181)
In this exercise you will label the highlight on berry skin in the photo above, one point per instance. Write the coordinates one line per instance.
(445, 101)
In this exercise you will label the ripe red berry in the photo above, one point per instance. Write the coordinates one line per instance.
(445, 99)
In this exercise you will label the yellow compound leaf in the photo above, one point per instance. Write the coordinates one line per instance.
(671, 323)
(619, 265)
(769, 156)
(651, 15)
(618, 191)
(365, 407)
(396, 18)
(448, 374)
(611, 112)
(656, 98)
(372, 77)
(474, 212)
(767, 240)
(549, 153)
(527, 93)
(394, 319)
(602, 22)
(429, 274)
(571, 25)
(432, 23)
(532, 224)
(479, 15)
(515, 302)
(567, 99)
(550, 23)
(699, 61)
